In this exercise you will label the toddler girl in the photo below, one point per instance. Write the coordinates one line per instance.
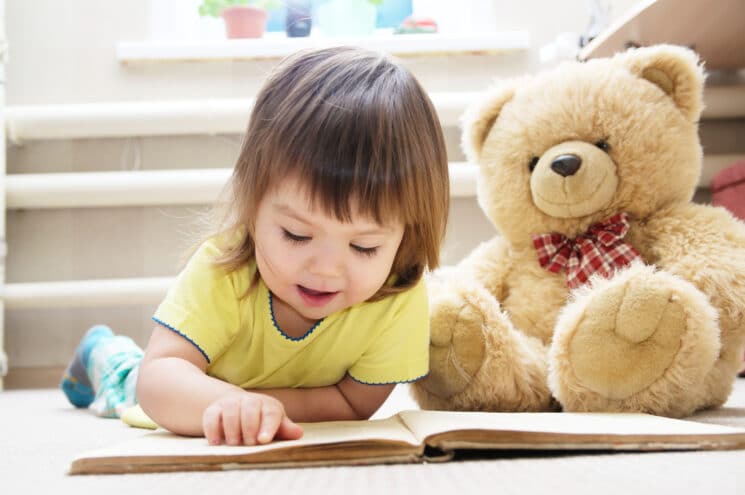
(308, 303)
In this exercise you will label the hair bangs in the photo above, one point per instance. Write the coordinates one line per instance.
(348, 156)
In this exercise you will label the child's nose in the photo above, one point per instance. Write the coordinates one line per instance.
(326, 261)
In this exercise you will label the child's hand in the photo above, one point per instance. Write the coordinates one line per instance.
(247, 419)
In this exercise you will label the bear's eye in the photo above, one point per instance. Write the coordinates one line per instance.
(533, 163)
(603, 145)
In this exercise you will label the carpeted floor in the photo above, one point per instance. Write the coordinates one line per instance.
(40, 433)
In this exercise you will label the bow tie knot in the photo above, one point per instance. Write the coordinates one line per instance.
(599, 250)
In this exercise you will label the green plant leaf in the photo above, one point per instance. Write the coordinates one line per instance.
(213, 8)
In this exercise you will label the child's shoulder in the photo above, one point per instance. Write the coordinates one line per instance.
(416, 295)
(413, 298)
(225, 242)
(221, 253)
(402, 311)
(218, 247)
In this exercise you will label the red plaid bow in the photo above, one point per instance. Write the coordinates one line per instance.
(601, 249)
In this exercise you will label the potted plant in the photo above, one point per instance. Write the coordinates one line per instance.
(243, 18)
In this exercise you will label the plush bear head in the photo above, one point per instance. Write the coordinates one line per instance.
(564, 149)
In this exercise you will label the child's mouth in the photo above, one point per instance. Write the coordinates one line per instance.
(314, 297)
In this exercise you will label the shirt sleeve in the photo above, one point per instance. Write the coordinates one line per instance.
(401, 352)
(203, 304)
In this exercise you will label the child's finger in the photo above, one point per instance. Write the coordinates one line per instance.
(212, 424)
(289, 430)
(231, 421)
(271, 416)
(250, 417)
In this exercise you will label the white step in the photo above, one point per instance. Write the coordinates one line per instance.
(85, 293)
(151, 188)
(229, 115)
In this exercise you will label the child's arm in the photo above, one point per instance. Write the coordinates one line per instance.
(174, 390)
(348, 399)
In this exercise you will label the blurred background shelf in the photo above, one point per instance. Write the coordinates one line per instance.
(131, 52)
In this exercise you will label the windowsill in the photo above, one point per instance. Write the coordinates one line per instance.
(276, 45)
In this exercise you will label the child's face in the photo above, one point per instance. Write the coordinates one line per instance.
(315, 263)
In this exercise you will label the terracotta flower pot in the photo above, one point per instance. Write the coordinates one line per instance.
(244, 21)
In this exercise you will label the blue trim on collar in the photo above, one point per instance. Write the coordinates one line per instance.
(276, 325)
(169, 327)
(388, 383)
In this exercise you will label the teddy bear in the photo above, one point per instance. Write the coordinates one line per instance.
(606, 288)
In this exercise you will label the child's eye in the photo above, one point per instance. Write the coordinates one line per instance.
(367, 251)
(297, 239)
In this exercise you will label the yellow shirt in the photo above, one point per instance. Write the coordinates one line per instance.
(379, 342)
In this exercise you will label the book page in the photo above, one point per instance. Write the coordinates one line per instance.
(565, 430)
(164, 448)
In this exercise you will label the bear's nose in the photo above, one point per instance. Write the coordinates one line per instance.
(566, 165)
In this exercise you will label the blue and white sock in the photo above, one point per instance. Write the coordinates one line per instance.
(76, 383)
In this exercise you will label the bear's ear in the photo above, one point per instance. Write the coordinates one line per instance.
(675, 70)
(479, 118)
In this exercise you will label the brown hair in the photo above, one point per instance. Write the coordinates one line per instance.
(352, 124)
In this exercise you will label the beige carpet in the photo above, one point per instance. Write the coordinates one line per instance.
(40, 433)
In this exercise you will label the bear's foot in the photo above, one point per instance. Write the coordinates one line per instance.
(477, 359)
(642, 341)
(457, 344)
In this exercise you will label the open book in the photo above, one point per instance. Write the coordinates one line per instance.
(414, 436)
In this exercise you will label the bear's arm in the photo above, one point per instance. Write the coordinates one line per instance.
(706, 246)
(487, 265)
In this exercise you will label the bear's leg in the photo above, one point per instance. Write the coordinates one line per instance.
(477, 359)
(641, 341)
